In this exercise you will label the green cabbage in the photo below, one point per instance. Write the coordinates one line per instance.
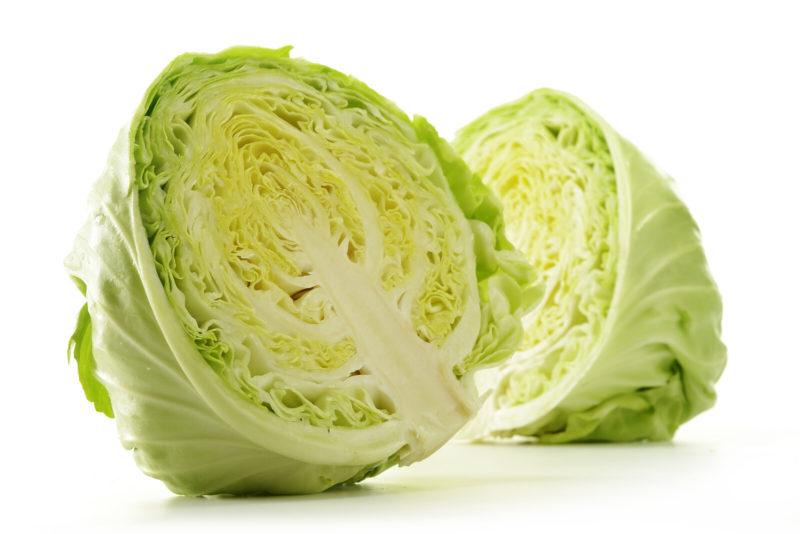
(625, 344)
(289, 284)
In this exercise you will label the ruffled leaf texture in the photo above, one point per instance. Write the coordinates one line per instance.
(215, 395)
(625, 344)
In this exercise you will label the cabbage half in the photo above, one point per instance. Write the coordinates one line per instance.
(625, 344)
(289, 284)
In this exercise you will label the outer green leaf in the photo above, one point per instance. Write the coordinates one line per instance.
(625, 344)
(80, 349)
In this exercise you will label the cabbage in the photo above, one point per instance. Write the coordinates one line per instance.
(289, 284)
(625, 344)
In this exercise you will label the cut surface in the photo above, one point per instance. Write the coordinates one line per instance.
(309, 244)
(552, 170)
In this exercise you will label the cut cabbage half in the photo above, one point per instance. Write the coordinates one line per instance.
(625, 344)
(289, 284)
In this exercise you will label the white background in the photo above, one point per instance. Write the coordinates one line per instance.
(709, 91)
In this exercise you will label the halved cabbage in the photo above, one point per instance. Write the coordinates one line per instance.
(289, 284)
(625, 345)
